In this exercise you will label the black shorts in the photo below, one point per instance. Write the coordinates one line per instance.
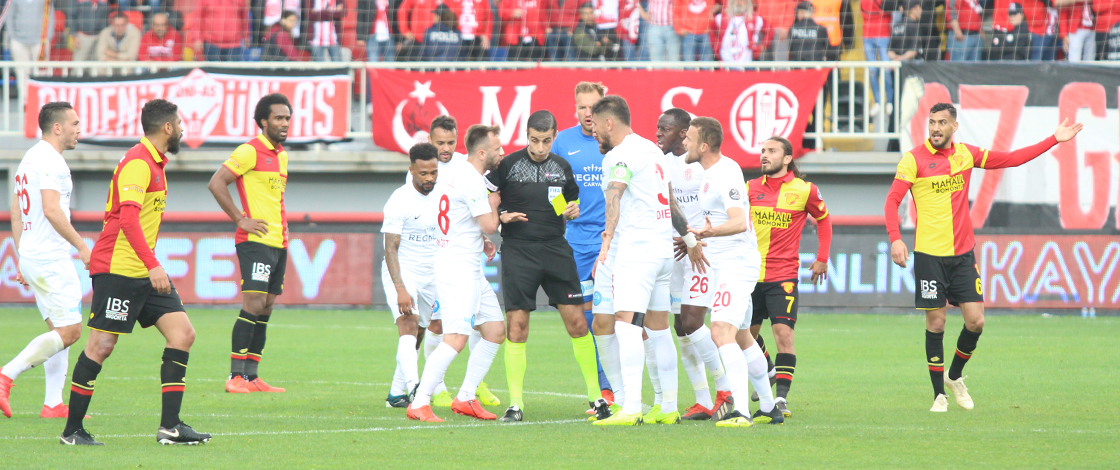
(262, 267)
(955, 279)
(776, 301)
(527, 266)
(119, 302)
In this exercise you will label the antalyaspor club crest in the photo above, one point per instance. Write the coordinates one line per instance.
(412, 118)
(762, 111)
(199, 98)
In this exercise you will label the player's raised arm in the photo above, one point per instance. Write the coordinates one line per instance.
(991, 159)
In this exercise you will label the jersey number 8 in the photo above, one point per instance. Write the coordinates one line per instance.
(443, 220)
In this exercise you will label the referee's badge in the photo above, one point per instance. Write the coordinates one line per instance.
(553, 192)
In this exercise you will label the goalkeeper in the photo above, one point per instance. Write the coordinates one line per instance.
(539, 193)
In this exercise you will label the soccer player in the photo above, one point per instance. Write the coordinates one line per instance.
(735, 270)
(697, 348)
(444, 135)
(406, 274)
(464, 213)
(43, 236)
(780, 201)
(130, 286)
(936, 173)
(639, 265)
(578, 146)
(539, 193)
(260, 169)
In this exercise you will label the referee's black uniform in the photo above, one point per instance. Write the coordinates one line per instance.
(535, 253)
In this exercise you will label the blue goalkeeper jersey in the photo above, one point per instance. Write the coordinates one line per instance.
(582, 152)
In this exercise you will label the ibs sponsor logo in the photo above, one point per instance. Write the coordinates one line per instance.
(760, 112)
(261, 272)
(117, 309)
(929, 289)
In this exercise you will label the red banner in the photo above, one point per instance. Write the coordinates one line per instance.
(216, 105)
(752, 106)
(323, 268)
(1049, 271)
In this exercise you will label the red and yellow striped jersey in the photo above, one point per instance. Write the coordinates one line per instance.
(262, 177)
(139, 181)
(778, 210)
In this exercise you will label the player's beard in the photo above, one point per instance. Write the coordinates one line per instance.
(173, 144)
(427, 188)
(604, 144)
(277, 135)
(772, 169)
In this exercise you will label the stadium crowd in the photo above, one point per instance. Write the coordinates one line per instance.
(558, 30)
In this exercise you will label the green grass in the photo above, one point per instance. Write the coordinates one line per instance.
(1046, 393)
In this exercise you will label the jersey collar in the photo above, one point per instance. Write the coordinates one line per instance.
(267, 144)
(156, 155)
(934, 150)
(785, 179)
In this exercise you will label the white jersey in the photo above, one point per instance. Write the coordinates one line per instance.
(686, 187)
(645, 226)
(42, 168)
(457, 199)
(724, 188)
(441, 167)
(407, 214)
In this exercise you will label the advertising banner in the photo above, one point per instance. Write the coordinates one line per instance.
(752, 106)
(323, 268)
(216, 104)
(1009, 106)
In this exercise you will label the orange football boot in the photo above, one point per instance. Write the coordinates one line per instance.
(424, 413)
(471, 408)
(258, 385)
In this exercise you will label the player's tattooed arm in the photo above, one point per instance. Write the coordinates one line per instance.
(613, 199)
(392, 261)
(680, 222)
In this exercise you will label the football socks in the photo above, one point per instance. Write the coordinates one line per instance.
(760, 377)
(584, 350)
(737, 377)
(434, 369)
(55, 371)
(608, 357)
(630, 357)
(762, 346)
(172, 375)
(482, 356)
(406, 360)
(256, 347)
(81, 392)
(784, 364)
(706, 348)
(604, 384)
(695, 370)
(515, 373)
(243, 329)
(36, 352)
(650, 356)
(966, 344)
(935, 357)
(666, 355)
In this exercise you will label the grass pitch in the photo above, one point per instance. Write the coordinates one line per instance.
(1045, 389)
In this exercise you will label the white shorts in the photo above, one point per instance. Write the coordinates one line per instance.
(642, 285)
(602, 300)
(468, 302)
(58, 292)
(731, 301)
(421, 288)
(688, 287)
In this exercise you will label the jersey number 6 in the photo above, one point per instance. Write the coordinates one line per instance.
(21, 191)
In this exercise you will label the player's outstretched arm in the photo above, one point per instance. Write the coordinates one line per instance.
(994, 160)
(52, 210)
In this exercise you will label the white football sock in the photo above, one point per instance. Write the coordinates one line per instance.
(482, 356)
(651, 369)
(666, 356)
(398, 386)
(406, 360)
(55, 369)
(756, 367)
(36, 352)
(706, 349)
(737, 376)
(692, 366)
(473, 340)
(630, 358)
(434, 369)
(431, 342)
(608, 358)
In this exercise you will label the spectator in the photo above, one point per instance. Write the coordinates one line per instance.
(1014, 44)
(476, 27)
(589, 44)
(691, 19)
(965, 19)
(1077, 29)
(742, 35)
(1108, 29)
(836, 17)
(779, 14)
(662, 40)
(906, 39)
(120, 42)
(876, 40)
(24, 25)
(624, 18)
(161, 43)
(562, 18)
(323, 24)
(523, 29)
(267, 13)
(279, 43)
(441, 40)
(808, 41)
(86, 19)
(220, 29)
(1043, 40)
(374, 17)
(413, 18)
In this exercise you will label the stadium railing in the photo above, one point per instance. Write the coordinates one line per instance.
(844, 106)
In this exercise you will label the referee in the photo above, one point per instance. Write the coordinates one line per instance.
(538, 194)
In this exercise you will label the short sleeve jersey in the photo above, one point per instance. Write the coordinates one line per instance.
(779, 207)
(686, 179)
(939, 181)
(407, 215)
(645, 226)
(42, 168)
(441, 167)
(457, 199)
(582, 153)
(724, 189)
(139, 180)
(262, 177)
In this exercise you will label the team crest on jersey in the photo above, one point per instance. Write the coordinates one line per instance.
(688, 173)
(706, 187)
(620, 172)
(733, 194)
(792, 198)
(788, 287)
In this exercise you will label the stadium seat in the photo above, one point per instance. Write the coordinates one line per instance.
(136, 18)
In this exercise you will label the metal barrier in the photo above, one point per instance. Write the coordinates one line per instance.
(844, 109)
